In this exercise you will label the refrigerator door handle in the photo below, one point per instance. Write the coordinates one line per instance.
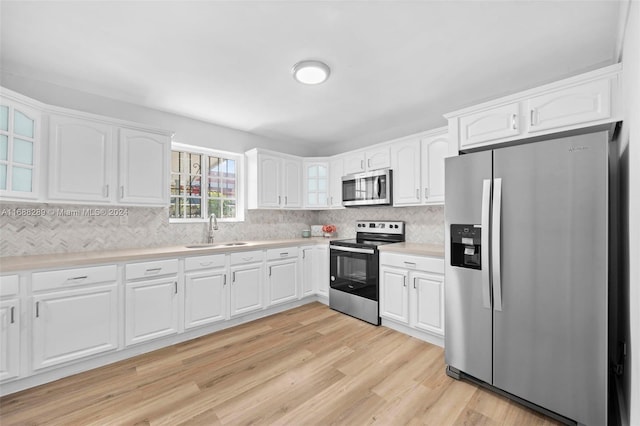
(484, 241)
(495, 244)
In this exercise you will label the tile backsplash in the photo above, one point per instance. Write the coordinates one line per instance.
(67, 228)
(422, 224)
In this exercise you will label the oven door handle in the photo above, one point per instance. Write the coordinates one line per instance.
(352, 249)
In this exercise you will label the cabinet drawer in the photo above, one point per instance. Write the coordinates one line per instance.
(135, 271)
(420, 263)
(246, 257)
(282, 253)
(9, 285)
(52, 280)
(204, 262)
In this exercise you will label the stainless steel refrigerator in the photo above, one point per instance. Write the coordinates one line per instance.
(526, 277)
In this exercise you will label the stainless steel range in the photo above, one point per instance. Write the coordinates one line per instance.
(354, 288)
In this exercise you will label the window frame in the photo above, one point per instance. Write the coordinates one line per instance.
(204, 184)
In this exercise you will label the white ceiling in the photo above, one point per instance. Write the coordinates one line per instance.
(397, 66)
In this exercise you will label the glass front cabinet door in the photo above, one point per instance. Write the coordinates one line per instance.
(19, 127)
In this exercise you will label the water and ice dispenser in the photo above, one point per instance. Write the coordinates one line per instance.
(466, 246)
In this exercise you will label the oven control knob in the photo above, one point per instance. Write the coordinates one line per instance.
(333, 278)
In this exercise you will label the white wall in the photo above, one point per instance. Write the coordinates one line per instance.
(187, 130)
(629, 150)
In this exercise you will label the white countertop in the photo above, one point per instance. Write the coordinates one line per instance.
(57, 260)
(432, 250)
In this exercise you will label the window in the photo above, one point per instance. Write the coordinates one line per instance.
(203, 182)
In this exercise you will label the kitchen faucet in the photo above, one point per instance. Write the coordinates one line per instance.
(213, 225)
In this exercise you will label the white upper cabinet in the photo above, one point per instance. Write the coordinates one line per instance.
(418, 168)
(371, 159)
(405, 160)
(336, 171)
(579, 104)
(291, 183)
(585, 100)
(143, 168)
(495, 123)
(316, 181)
(81, 160)
(274, 180)
(434, 149)
(268, 181)
(19, 149)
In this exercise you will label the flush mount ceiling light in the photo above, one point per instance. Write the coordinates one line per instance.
(311, 72)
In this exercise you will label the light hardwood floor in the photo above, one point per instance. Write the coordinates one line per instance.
(306, 366)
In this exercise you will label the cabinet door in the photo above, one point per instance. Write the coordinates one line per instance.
(205, 297)
(269, 181)
(19, 150)
(143, 168)
(434, 151)
(428, 302)
(379, 158)
(354, 163)
(308, 273)
(80, 160)
(73, 324)
(579, 104)
(151, 309)
(291, 184)
(9, 339)
(394, 294)
(283, 281)
(316, 180)
(246, 289)
(405, 160)
(336, 171)
(321, 270)
(495, 123)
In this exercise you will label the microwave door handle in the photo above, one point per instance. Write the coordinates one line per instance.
(378, 187)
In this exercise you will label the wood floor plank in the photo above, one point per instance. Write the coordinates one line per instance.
(306, 366)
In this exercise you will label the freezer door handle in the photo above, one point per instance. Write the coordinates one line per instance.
(495, 244)
(484, 241)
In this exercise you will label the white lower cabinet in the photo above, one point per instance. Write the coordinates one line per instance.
(412, 291)
(9, 328)
(69, 320)
(282, 275)
(315, 270)
(427, 298)
(205, 290)
(307, 255)
(75, 314)
(394, 294)
(321, 270)
(247, 274)
(151, 304)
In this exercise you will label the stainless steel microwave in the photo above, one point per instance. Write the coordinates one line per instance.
(367, 189)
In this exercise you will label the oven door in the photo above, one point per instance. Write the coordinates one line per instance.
(354, 271)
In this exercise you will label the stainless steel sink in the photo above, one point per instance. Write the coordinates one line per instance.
(216, 245)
